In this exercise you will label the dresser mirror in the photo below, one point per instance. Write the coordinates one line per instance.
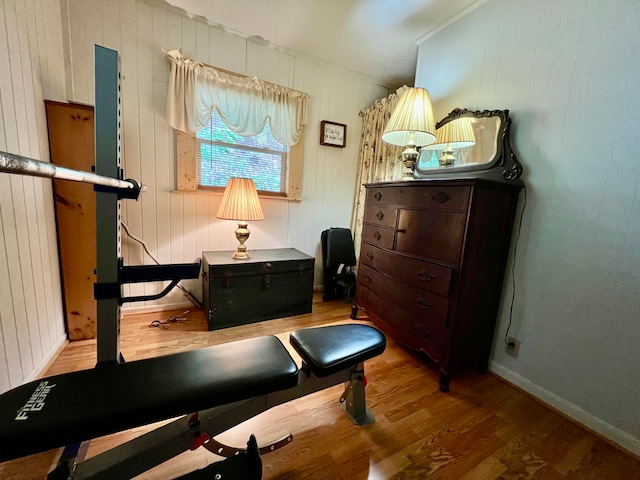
(490, 157)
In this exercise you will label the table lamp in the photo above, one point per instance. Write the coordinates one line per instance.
(240, 202)
(457, 133)
(411, 125)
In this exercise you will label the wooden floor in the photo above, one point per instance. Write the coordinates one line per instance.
(482, 429)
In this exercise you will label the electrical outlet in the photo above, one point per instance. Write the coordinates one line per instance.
(513, 346)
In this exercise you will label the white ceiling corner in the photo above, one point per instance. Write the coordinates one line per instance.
(376, 38)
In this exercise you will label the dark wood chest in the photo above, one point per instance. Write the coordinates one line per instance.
(432, 263)
(271, 284)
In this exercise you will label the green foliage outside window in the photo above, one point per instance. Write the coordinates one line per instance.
(222, 154)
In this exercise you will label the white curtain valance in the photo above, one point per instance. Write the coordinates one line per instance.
(245, 104)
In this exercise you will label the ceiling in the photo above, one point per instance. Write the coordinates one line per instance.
(375, 38)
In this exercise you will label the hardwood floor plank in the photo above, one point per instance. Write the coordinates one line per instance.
(482, 429)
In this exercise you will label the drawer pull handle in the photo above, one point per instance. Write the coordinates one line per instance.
(421, 330)
(426, 276)
(368, 277)
(378, 196)
(380, 215)
(424, 303)
(377, 235)
(370, 255)
(440, 197)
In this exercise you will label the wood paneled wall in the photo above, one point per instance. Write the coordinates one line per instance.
(177, 227)
(31, 320)
(47, 47)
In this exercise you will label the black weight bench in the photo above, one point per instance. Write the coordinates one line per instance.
(224, 384)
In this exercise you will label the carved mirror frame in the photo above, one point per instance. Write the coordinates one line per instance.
(503, 165)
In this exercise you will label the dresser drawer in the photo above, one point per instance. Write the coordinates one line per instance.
(421, 274)
(383, 237)
(433, 198)
(406, 328)
(383, 216)
(432, 235)
(426, 305)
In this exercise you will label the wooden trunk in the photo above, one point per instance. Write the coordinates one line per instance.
(271, 284)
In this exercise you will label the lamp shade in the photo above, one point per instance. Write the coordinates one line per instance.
(412, 120)
(457, 133)
(240, 201)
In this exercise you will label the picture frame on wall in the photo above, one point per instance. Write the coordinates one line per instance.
(333, 134)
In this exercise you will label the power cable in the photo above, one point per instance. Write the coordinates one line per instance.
(187, 293)
(513, 268)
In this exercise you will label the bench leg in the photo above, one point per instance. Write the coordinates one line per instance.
(353, 399)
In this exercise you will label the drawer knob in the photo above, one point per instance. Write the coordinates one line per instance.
(426, 276)
(440, 197)
(267, 267)
(424, 303)
(421, 330)
(378, 196)
(370, 255)
(377, 235)
(380, 215)
(367, 277)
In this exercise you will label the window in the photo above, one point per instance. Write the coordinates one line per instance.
(222, 154)
(208, 160)
(187, 171)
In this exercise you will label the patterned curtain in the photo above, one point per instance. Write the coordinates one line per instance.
(377, 161)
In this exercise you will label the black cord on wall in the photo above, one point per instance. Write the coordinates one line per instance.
(187, 293)
(513, 268)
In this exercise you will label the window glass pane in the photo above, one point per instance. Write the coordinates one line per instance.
(264, 168)
(222, 154)
(217, 130)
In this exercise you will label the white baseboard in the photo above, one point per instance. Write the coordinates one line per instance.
(44, 364)
(611, 433)
(161, 307)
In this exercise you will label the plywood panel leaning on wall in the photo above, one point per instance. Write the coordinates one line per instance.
(71, 142)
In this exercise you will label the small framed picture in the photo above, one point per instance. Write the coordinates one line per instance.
(333, 134)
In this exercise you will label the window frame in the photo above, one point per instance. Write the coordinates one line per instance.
(282, 153)
(186, 169)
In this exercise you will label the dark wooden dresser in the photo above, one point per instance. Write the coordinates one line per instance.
(273, 283)
(432, 263)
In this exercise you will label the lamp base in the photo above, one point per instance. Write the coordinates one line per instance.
(241, 255)
(447, 159)
(242, 234)
(409, 157)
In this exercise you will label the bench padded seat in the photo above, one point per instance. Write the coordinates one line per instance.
(82, 405)
(326, 352)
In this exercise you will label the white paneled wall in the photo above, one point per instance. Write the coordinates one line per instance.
(32, 68)
(569, 72)
(178, 227)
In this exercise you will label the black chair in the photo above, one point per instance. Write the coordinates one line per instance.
(338, 260)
